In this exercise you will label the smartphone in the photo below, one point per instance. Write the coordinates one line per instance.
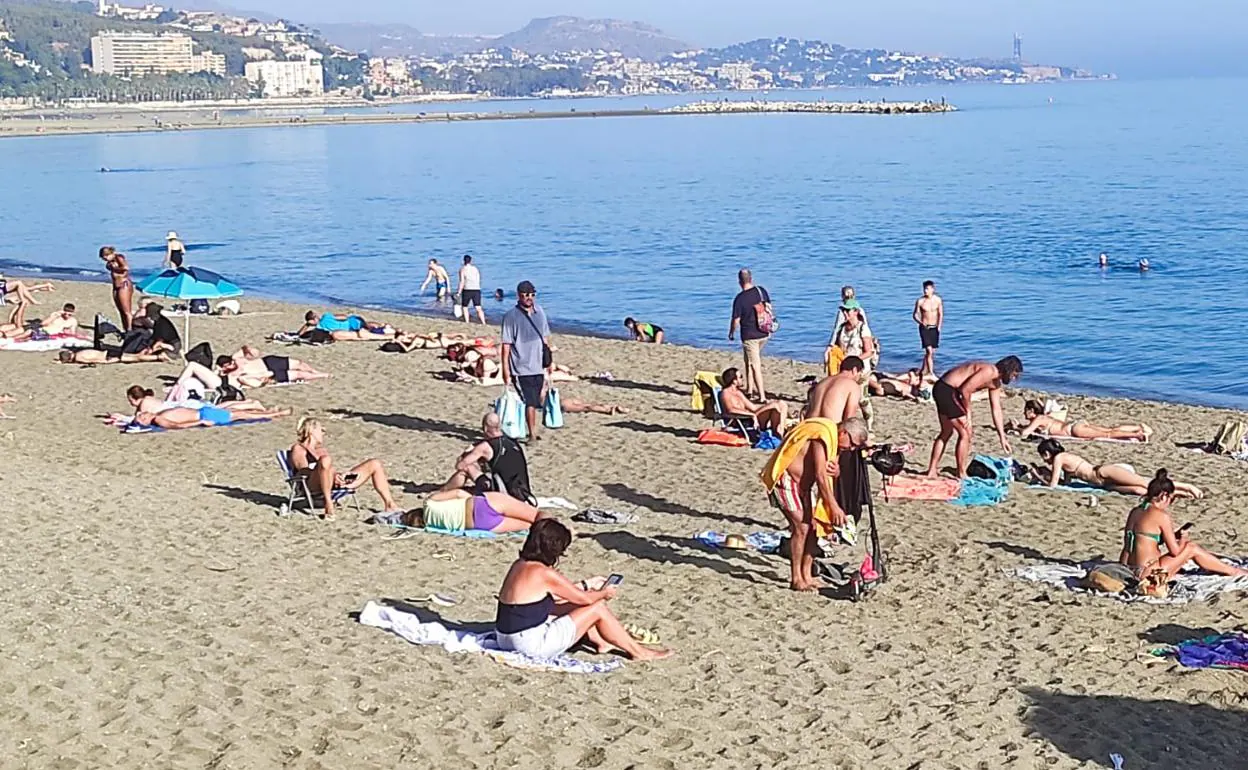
(1184, 528)
(350, 477)
(614, 580)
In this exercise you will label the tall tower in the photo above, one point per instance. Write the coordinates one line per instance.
(1018, 46)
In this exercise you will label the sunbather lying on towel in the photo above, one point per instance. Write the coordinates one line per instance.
(347, 328)
(1041, 424)
(1115, 477)
(770, 415)
(92, 357)
(908, 386)
(543, 614)
(250, 368)
(486, 371)
(458, 510)
(310, 456)
(145, 402)
(410, 341)
(1149, 527)
(20, 292)
(572, 405)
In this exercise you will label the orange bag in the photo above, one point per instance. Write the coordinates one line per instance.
(721, 438)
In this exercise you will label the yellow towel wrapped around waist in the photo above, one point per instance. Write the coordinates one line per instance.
(814, 429)
(707, 378)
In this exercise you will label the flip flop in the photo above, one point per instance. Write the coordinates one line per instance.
(441, 600)
(644, 636)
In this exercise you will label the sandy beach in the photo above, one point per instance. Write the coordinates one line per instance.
(159, 614)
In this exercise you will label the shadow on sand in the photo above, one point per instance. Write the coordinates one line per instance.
(668, 553)
(632, 496)
(408, 422)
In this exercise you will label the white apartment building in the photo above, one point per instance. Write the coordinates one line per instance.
(303, 77)
(145, 53)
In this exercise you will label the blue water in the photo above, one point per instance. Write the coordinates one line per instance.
(1005, 204)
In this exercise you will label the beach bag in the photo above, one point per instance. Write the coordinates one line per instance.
(200, 307)
(552, 410)
(717, 437)
(458, 309)
(767, 323)
(1230, 437)
(200, 354)
(767, 440)
(548, 358)
(510, 410)
(1108, 578)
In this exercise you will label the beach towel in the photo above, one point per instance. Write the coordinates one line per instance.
(1190, 585)
(920, 488)
(1073, 486)
(1217, 651)
(711, 380)
(57, 342)
(470, 534)
(976, 491)
(815, 429)
(409, 626)
(128, 426)
(763, 542)
(556, 502)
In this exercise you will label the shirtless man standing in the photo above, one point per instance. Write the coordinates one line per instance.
(838, 398)
(439, 277)
(952, 394)
(929, 314)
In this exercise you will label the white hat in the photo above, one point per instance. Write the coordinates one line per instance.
(172, 236)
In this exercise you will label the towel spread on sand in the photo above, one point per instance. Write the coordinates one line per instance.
(557, 502)
(977, 491)
(907, 487)
(1073, 486)
(1190, 585)
(814, 429)
(56, 342)
(763, 542)
(409, 627)
(1217, 651)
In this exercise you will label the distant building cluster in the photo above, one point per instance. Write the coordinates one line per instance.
(283, 79)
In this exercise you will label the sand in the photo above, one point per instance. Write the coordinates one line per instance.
(159, 614)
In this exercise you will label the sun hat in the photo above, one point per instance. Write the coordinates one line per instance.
(172, 236)
(736, 542)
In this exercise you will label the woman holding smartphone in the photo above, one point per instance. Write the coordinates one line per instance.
(542, 614)
(309, 456)
(1149, 527)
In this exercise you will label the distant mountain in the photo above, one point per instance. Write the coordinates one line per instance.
(384, 40)
(570, 33)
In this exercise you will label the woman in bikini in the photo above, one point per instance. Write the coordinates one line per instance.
(123, 288)
(1041, 424)
(1149, 527)
(457, 510)
(1114, 477)
(309, 455)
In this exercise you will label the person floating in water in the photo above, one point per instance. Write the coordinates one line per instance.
(1103, 261)
(175, 251)
(499, 296)
(644, 332)
(1144, 266)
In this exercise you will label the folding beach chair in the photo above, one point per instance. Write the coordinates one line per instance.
(733, 423)
(301, 492)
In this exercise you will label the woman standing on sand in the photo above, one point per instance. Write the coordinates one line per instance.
(123, 288)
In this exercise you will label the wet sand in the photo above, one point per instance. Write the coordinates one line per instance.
(159, 614)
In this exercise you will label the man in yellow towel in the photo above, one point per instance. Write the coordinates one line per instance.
(799, 478)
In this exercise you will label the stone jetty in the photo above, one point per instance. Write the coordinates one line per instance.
(836, 108)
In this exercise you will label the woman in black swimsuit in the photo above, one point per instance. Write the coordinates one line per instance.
(123, 288)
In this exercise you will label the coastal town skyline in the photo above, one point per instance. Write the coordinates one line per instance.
(1155, 38)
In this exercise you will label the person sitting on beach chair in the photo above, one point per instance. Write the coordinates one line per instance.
(768, 416)
(1044, 425)
(543, 614)
(1149, 527)
(310, 456)
(1114, 477)
(459, 510)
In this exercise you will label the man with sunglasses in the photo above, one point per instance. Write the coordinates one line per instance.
(526, 355)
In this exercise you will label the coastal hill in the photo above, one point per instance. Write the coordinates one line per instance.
(400, 40)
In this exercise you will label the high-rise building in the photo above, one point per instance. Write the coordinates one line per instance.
(145, 53)
(302, 77)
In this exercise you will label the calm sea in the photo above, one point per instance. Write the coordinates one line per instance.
(1004, 204)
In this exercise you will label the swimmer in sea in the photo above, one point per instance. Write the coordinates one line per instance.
(1103, 260)
(1144, 265)
(499, 295)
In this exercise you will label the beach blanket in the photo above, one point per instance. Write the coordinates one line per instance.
(1190, 585)
(57, 342)
(401, 532)
(976, 491)
(409, 627)
(1073, 486)
(907, 487)
(556, 502)
(1217, 651)
(763, 542)
(127, 425)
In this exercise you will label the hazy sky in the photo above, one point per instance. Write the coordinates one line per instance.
(1144, 37)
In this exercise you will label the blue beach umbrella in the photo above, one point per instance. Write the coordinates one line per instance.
(187, 283)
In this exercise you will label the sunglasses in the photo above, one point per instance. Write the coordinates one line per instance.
(528, 294)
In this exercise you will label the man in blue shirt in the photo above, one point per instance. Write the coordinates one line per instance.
(526, 356)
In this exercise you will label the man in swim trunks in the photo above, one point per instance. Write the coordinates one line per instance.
(250, 368)
(470, 289)
(91, 357)
(644, 332)
(838, 398)
(439, 277)
(952, 394)
(929, 314)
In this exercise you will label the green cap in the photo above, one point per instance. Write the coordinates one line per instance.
(851, 304)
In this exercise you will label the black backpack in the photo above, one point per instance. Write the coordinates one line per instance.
(509, 470)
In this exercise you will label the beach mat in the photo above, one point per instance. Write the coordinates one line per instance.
(59, 342)
(1190, 585)
(132, 428)
(409, 626)
(763, 542)
(1074, 486)
(1226, 651)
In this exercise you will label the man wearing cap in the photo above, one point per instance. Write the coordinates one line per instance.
(526, 355)
(174, 250)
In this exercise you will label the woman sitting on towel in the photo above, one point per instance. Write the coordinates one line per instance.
(1115, 477)
(309, 456)
(1149, 527)
(543, 614)
(1042, 424)
(770, 416)
(457, 510)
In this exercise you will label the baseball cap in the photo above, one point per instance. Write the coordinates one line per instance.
(851, 304)
(525, 287)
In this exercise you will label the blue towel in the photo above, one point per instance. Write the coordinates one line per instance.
(763, 542)
(987, 491)
(474, 534)
(1074, 486)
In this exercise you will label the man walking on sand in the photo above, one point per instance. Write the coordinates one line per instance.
(525, 356)
(470, 289)
(952, 394)
(751, 311)
(929, 314)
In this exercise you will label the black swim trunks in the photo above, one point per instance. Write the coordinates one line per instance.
(531, 389)
(470, 297)
(929, 336)
(946, 401)
(280, 366)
